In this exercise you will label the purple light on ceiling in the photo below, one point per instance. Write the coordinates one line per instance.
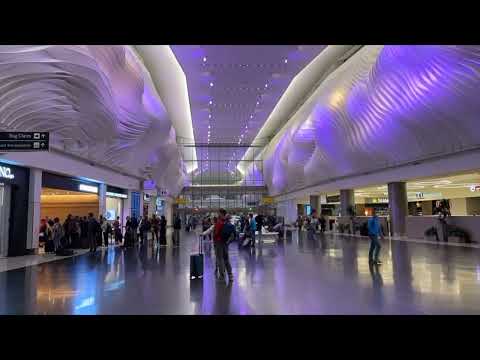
(365, 115)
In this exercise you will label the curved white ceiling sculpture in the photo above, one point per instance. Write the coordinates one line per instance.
(386, 106)
(97, 102)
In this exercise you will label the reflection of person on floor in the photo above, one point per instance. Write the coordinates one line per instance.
(377, 279)
(223, 294)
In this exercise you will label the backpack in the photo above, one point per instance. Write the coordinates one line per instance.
(228, 232)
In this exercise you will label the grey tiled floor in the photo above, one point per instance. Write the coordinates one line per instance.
(328, 275)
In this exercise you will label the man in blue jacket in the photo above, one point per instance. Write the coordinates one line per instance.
(374, 231)
(253, 228)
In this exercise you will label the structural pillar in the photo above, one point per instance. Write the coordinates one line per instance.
(140, 191)
(315, 203)
(34, 194)
(398, 204)
(347, 199)
(102, 199)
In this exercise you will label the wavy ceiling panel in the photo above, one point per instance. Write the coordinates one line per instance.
(97, 104)
(385, 106)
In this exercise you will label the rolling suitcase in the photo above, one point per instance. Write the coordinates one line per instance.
(196, 262)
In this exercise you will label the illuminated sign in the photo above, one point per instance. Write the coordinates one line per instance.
(6, 173)
(117, 195)
(88, 188)
(267, 200)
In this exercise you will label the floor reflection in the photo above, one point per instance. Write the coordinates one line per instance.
(296, 275)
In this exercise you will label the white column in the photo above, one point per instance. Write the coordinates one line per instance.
(398, 204)
(169, 210)
(140, 191)
(34, 193)
(102, 199)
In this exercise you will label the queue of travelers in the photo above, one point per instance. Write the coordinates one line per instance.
(89, 232)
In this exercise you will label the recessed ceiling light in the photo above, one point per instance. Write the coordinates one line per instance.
(211, 84)
(285, 61)
(251, 116)
(258, 102)
(266, 85)
(210, 102)
(209, 116)
(204, 59)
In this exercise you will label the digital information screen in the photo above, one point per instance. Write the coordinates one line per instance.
(24, 141)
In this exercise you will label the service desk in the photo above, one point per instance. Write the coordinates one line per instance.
(417, 225)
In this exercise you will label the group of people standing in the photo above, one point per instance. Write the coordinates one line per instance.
(81, 232)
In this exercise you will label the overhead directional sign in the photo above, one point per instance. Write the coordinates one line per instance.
(24, 141)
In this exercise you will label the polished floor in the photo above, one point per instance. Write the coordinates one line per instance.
(326, 275)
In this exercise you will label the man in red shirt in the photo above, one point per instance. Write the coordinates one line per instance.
(221, 248)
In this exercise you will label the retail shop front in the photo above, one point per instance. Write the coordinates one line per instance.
(115, 202)
(62, 195)
(14, 186)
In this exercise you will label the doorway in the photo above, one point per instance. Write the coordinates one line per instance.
(5, 198)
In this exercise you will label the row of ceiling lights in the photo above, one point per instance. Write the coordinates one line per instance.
(246, 126)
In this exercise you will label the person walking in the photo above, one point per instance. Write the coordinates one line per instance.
(105, 231)
(221, 247)
(163, 231)
(57, 233)
(374, 231)
(155, 228)
(92, 232)
(253, 229)
(177, 225)
(323, 223)
(117, 230)
(260, 221)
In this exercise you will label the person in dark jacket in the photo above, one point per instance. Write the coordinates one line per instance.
(163, 231)
(221, 247)
(92, 232)
(128, 237)
(177, 225)
(134, 228)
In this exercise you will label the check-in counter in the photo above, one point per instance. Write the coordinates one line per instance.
(417, 225)
(345, 220)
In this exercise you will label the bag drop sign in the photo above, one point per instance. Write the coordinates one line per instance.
(6, 173)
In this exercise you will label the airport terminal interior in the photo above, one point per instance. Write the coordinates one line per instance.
(239, 180)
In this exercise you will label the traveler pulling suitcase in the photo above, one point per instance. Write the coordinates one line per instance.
(196, 262)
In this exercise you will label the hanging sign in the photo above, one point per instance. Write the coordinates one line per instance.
(24, 141)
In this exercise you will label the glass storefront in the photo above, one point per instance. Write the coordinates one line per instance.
(114, 208)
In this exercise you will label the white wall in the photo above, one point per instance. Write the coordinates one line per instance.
(65, 165)
(458, 207)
